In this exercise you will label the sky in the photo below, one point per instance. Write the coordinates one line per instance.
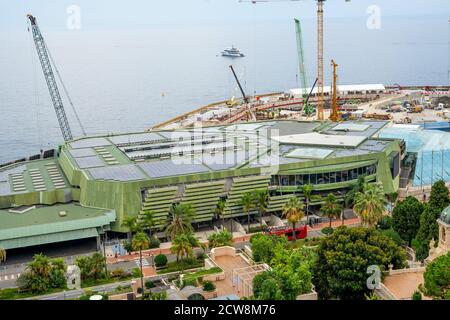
(121, 14)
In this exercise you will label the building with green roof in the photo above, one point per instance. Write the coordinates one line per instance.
(110, 177)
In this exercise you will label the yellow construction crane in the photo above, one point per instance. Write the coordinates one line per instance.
(320, 94)
(335, 115)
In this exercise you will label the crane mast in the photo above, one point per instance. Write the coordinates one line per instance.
(320, 97)
(335, 116)
(301, 66)
(249, 110)
(43, 54)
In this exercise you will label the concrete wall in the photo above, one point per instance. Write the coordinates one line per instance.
(222, 251)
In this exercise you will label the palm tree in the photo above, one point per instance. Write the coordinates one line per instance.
(40, 266)
(370, 204)
(182, 246)
(180, 219)
(131, 223)
(247, 205)
(2, 255)
(262, 197)
(349, 198)
(331, 208)
(140, 242)
(148, 221)
(307, 192)
(293, 212)
(220, 210)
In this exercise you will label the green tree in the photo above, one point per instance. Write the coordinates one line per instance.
(266, 286)
(406, 218)
(220, 239)
(148, 221)
(340, 270)
(264, 246)
(247, 203)
(40, 266)
(181, 246)
(220, 210)
(331, 208)
(160, 260)
(349, 199)
(42, 274)
(290, 275)
(370, 204)
(293, 212)
(140, 242)
(92, 267)
(180, 220)
(437, 277)
(2, 255)
(307, 190)
(58, 273)
(428, 228)
(131, 223)
(262, 198)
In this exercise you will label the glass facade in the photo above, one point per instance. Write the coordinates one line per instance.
(322, 178)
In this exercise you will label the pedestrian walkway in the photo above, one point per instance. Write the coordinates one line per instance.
(144, 262)
(12, 276)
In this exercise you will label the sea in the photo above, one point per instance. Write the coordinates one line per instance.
(126, 80)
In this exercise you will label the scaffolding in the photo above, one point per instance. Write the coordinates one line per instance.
(242, 278)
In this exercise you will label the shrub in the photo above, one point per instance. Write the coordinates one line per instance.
(220, 239)
(154, 243)
(385, 223)
(181, 265)
(201, 256)
(264, 246)
(118, 273)
(149, 284)
(136, 273)
(189, 282)
(160, 260)
(127, 246)
(417, 295)
(391, 233)
(437, 277)
(208, 286)
(327, 230)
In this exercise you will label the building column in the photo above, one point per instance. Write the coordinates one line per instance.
(98, 243)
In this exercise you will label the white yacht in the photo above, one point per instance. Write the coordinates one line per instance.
(232, 52)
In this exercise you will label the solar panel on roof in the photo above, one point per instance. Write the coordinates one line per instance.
(127, 172)
(171, 168)
(89, 143)
(77, 153)
(89, 162)
(134, 138)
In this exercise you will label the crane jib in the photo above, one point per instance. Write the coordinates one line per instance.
(50, 80)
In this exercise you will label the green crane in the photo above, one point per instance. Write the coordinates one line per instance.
(301, 67)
